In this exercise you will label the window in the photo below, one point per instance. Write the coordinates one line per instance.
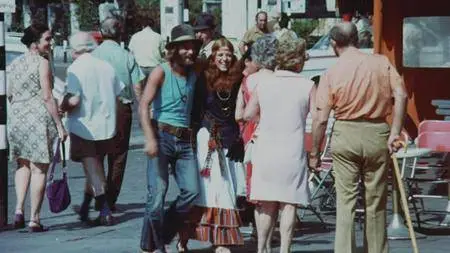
(426, 42)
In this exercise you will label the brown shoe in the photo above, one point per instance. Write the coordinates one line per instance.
(82, 215)
(19, 221)
(106, 220)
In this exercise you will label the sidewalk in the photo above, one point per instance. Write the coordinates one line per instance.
(67, 234)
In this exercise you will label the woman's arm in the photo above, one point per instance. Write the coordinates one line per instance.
(252, 108)
(45, 77)
(312, 102)
(154, 82)
(240, 106)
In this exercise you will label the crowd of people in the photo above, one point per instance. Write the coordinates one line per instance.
(231, 130)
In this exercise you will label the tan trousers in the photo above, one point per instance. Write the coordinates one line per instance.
(359, 151)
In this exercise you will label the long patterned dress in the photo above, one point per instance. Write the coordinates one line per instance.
(31, 129)
(215, 218)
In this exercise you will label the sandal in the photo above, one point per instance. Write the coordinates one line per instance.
(182, 248)
(37, 229)
(222, 249)
(19, 221)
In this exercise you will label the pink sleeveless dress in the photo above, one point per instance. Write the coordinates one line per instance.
(279, 157)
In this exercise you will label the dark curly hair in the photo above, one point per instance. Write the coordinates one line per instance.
(33, 33)
(218, 80)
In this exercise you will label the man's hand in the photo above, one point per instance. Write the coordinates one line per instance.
(151, 148)
(314, 162)
(394, 143)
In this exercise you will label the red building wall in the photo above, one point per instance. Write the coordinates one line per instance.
(424, 84)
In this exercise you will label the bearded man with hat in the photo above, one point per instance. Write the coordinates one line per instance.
(170, 93)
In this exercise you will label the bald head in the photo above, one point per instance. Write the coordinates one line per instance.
(111, 28)
(345, 34)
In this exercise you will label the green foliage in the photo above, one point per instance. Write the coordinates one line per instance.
(147, 3)
(304, 27)
(195, 8)
(144, 9)
(88, 14)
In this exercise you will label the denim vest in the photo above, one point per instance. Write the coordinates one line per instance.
(173, 102)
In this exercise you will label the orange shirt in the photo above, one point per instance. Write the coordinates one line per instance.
(359, 86)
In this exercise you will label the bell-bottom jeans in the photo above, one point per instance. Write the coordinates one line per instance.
(160, 225)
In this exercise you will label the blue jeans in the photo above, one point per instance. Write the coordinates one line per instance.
(159, 224)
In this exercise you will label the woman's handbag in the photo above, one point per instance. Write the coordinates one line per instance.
(58, 190)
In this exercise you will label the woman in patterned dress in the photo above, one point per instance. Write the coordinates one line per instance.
(33, 122)
(220, 151)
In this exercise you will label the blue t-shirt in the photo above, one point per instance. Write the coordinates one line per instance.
(173, 102)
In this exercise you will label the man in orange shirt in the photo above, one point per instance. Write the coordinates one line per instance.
(361, 89)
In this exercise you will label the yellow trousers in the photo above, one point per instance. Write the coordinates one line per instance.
(359, 151)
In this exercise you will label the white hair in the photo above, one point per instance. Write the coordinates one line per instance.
(82, 42)
(111, 28)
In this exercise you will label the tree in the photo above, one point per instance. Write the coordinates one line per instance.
(304, 27)
(88, 14)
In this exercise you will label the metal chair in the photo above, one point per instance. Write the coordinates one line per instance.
(322, 182)
(432, 126)
(436, 142)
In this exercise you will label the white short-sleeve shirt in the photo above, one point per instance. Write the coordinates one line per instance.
(96, 83)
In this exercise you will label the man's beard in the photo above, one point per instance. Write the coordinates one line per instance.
(184, 61)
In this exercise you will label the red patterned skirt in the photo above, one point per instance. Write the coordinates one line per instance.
(215, 225)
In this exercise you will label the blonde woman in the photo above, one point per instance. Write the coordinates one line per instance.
(279, 181)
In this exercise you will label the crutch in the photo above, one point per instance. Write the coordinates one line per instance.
(404, 202)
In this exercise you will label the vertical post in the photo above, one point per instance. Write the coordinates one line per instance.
(186, 11)
(65, 50)
(3, 150)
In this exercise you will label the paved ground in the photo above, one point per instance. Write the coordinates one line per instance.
(67, 234)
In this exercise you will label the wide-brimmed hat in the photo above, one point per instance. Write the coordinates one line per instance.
(204, 21)
(183, 33)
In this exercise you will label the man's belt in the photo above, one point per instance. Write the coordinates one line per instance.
(180, 132)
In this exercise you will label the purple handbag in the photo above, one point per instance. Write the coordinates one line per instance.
(58, 190)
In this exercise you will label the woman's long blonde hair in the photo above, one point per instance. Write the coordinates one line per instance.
(291, 53)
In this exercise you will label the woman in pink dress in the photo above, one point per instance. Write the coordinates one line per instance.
(280, 180)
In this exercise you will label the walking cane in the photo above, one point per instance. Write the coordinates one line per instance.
(404, 202)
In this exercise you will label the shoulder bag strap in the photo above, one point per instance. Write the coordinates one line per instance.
(64, 167)
(54, 160)
(63, 147)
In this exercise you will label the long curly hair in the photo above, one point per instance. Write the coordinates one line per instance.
(219, 80)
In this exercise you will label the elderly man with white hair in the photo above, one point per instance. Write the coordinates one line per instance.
(91, 106)
(127, 71)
